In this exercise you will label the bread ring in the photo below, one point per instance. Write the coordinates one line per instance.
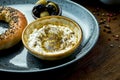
(17, 22)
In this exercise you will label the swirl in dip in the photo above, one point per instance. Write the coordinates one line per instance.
(52, 39)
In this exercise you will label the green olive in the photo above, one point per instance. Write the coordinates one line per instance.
(44, 13)
(44, 2)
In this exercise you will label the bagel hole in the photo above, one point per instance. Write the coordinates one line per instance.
(3, 26)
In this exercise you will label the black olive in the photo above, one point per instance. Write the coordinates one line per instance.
(38, 9)
(54, 13)
(36, 13)
(45, 8)
(51, 8)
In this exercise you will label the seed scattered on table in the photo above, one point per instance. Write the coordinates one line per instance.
(111, 45)
(119, 46)
(107, 26)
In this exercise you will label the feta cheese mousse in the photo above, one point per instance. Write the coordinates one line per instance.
(52, 37)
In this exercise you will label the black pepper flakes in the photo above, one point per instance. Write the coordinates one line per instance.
(11, 31)
(104, 30)
(6, 32)
(15, 19)
(109, 39)
(109, 31)
(11, 10)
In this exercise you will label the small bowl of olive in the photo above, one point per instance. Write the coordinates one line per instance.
(44, 8)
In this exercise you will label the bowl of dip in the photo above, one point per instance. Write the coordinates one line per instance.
(52, 37)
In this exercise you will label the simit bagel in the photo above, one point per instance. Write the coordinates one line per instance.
(17, 22)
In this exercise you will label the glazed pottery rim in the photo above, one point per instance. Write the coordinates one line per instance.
(59, 13)
(72, 61)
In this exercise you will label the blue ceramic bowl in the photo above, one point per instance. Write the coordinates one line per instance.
(59, 12)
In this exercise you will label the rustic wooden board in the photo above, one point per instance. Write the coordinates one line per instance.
(103, 61)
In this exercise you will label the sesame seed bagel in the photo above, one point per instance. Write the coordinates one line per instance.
(17, 22)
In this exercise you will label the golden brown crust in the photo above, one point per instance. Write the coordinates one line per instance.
(17, 22)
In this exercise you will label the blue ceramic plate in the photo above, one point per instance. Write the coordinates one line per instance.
(17, 58)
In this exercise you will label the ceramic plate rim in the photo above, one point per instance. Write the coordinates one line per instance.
(74, 60)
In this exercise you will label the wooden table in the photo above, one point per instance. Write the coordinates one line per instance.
(103, 61)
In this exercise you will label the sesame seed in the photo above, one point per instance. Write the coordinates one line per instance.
(119, 46)
(111, 45)
(117, 36)
(107, 26)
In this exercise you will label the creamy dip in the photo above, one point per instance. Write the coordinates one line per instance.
(52, 39)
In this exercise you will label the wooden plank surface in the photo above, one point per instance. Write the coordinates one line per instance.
(103, 61)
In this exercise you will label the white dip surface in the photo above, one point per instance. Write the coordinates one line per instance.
(52, 39)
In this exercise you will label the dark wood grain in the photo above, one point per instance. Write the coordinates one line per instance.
(103, 61)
